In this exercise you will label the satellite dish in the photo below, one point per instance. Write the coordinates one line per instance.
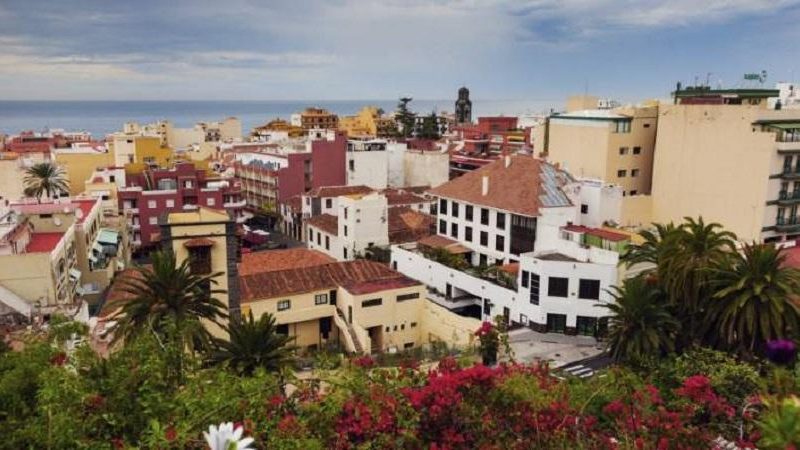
(57, 221)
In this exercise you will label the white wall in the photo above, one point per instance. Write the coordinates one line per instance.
(369, 169)
(396, 152)
(367, 222)
(426, 169)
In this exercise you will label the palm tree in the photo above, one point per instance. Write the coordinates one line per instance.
(651, 251)
(171, 302)
(640, 323)
(755, 299)
(253, 344)
(45, 178)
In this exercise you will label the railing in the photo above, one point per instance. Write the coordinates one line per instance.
(786, 222)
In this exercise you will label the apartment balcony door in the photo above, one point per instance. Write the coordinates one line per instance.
(556, 323)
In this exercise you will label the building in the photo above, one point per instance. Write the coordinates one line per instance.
(612, 145)
(12, 173)
(105, 184)
(725, 156)
(157, 192)
(359, 306)
(361, 222)
(277, 130)
(80, 161)
(416, 165)
(316, 118)
(367, 163)
(272, 173)
(368, 122)
(463, 107)
(138, 152)
(515, 221)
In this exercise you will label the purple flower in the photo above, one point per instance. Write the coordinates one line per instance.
(781, 351)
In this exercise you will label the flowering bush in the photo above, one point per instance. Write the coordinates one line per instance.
(489, 339)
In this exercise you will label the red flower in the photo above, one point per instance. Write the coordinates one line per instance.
(170, 434)
(58, 359)
(614, 408)
(364, 362)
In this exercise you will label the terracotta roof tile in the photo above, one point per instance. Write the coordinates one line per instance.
(336, 191)
(396, 197)
(325, 222)
(407, 225)
(599, 232)
(372, 286)
(327, 276)
(437, 241)
(523, 187)
(276, 260)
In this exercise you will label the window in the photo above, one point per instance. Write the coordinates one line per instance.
(319, 238)
(454, 230)
(584, 208)
(482, 260)
(525, 276)
(153, 221)
(404, 297)
(210, 201)
(352, 165)
(344, 252)
(647, 125)
(454, 210)
(283, 305)
(200, 260)
(484, 216)
(442, 227)
(468, 234)
(484, 238)
(468, 212)
(413, 325)
(637, 150)
(501, 221)
(634, 172)
(329, 203)
(282, 329)
(152, 204)
(345, 230)
(557, 286)
(321, 299)
(622, 126)
(622, 173)
(345, 213)
(442, 206)
(408, 345)
(623, 150)
(327, 242)
(534, 289)
(633, 192)
(500, 243)
(170, 203)
(589, 289)
(372, 302)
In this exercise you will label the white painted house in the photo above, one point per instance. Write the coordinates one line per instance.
(521, 215)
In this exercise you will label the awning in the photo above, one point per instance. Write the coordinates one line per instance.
(198, 242)
(784, 126)
(108, 237)
(75, 274)
(97, 247)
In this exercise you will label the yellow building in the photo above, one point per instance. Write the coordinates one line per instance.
(80, 162)
(612, 145)
(367, 122)
(12, 173)
(137, 153)
(738, 165)
(363, 306)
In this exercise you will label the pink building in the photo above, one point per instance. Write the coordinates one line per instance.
(156, 192)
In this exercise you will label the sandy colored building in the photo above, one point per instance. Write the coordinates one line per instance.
(137, 153)
(612, 145)
(80, 162)
(369, 121)
(313, 118)
(12, 173)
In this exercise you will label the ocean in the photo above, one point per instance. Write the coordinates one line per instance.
(103, 117)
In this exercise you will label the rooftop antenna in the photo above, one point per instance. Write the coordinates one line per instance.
(708, 79)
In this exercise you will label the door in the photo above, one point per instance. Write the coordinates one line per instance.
(448, 291)
(350, 314)
(586, 326)
(556, 323)
(332, 297)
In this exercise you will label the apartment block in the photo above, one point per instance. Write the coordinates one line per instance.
(613, 145)
(315, 118)
(157, 192)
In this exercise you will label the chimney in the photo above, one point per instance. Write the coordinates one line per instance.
(508, 161)
(485, 186)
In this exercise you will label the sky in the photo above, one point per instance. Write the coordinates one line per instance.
(541, 50)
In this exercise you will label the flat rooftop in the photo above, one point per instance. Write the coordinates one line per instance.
(43, 242)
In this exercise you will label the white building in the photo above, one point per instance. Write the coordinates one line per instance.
(367, 163)
(519, 214)
(361, 222)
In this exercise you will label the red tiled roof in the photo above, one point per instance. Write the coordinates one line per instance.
(599, 232)
(372, 286)
(516, 188)
(86, 206)
(117, 292)
(43, 242)
(276, 260)
(407, 225)
(199, 242)
(325, 222)
(336, 191)
(328, 276)
(398, 197)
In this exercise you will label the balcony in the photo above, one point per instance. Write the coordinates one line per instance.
(788, 146)
(786, 225)
(790, 173)
(788, 198)
(239, 204)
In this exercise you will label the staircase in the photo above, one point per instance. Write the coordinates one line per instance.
(351, 332)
